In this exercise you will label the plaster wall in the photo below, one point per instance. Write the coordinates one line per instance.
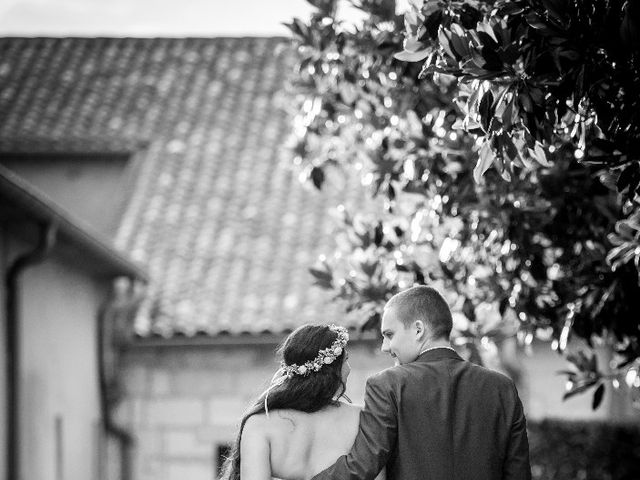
(59, 385)
(4, 252)
(93, 189)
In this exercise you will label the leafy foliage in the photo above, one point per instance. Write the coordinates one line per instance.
(503, 141)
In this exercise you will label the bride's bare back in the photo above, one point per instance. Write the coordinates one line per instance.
(293, 445)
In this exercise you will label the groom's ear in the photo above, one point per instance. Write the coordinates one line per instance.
(419, 329)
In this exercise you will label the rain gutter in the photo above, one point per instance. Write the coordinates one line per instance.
(46, 241)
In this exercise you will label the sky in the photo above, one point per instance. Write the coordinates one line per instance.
(148, 17)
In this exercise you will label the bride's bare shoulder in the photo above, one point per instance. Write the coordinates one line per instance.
(255, 425)
(351, 407)
(274, 425)
(294, 420)
(280, 421)
(350, 411)
(254, 436)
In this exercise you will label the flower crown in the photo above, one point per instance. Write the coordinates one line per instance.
(325, 356)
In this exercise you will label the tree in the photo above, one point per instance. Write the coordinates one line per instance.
(503, 139)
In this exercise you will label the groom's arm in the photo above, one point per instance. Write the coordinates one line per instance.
(516, 465)
(376, 437)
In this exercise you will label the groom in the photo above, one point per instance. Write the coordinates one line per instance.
(434, 416)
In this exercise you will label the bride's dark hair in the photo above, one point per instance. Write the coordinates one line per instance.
(306, 394)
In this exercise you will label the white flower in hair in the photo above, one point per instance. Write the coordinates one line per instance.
(325, 357)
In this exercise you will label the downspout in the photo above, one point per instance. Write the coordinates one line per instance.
(46, 241)
(121, 304)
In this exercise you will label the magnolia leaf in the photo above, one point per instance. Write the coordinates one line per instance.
(445, 44)
(486, 28)
(608, 179)
(492, 60)
(327, 7)
(473, 99)
(510, 149)
(620, 255)
(628, 176)
(409, 56)
(597, 397)
(432, 22)
(457, 30)
(633, 222)
(485, 159)
(510, 8)
(556, 9)
(501, 102)
(624, 229)
(458, 41)
(458, 124)
(486, 110)
(413, 44)
(348, 93)
(579, 388)
(536, 21)
(471, 124)
(317, 177)
(541, 156)
(300, 27)
(414, 122)
(525, 101)
(322, 278)
(509, 114)
(369, 268)
(615, 239)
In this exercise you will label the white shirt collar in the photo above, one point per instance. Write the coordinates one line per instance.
(435, 348)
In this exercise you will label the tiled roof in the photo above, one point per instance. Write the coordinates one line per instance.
(216, 215)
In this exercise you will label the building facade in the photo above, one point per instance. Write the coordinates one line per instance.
(57, 277)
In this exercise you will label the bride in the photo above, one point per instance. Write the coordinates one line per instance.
(300, 425)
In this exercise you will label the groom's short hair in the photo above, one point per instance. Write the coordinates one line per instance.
(426, 304)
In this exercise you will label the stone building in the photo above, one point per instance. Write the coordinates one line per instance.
(57, 278)
(173, 149)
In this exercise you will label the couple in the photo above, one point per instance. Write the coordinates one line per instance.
(433, 416)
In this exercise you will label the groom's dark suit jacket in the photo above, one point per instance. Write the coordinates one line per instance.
(438, 418)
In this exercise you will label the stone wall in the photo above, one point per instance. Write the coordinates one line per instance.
(183, 403)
